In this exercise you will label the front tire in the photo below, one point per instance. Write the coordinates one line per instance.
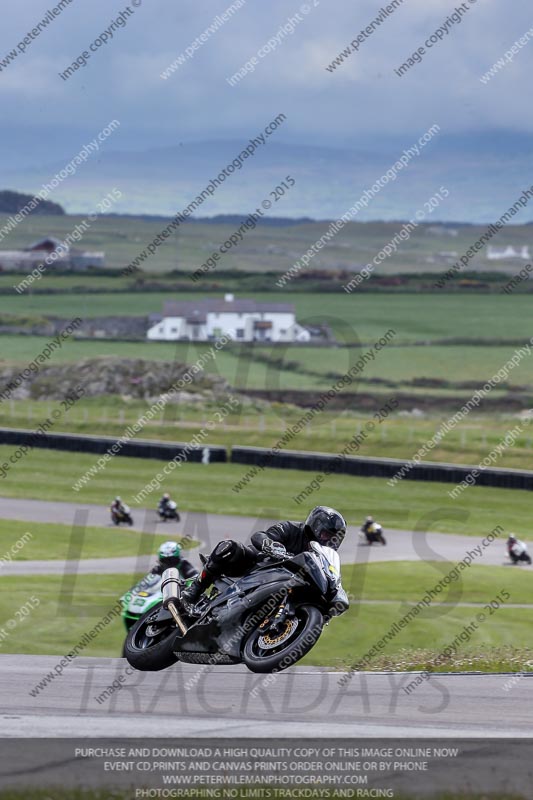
(289, 651)
(150, 653)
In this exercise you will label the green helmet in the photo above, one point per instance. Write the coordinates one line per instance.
(169, 550)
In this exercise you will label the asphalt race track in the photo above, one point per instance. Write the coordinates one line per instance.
(402, 545)
(188, 700)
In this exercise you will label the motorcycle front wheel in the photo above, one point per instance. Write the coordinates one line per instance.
(267, 652)
(149, 647)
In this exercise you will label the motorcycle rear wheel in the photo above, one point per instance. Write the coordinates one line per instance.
(258, 659)
(150, 654)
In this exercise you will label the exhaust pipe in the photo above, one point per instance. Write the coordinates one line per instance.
(171, 588)
(170, 585)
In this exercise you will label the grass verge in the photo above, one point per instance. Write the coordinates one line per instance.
(261, 425)
(49, 475)
(48, 541)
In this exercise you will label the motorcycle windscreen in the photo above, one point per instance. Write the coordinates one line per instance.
(315, 569)
(329, 562)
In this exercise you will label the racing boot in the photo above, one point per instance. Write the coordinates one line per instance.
(193, 592)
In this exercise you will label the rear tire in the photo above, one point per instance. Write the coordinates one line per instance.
(150, 654)
(310, 624)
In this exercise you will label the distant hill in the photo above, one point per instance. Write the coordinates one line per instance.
(222, 219)
(484, 174)
(13, 202)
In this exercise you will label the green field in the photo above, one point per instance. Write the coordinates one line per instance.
(420, 318)
(316, 367)
(267, 247)
(443, 349)
(49, 475)
(53, 541)
(260, 425)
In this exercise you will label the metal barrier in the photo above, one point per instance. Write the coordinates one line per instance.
(380, 467)
(135, 448)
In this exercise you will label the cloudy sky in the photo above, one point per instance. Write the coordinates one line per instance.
(363, 101)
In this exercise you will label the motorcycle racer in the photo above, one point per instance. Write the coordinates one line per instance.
(169, 555)
(323, 525)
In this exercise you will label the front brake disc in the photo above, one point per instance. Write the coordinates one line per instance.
(267, 640)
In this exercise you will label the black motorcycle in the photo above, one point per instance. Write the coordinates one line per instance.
(267, 619)
(168, 511)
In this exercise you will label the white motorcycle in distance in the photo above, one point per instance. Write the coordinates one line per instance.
(168, 511)
(517, 551)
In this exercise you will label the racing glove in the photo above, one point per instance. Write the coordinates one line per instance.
(274, 549)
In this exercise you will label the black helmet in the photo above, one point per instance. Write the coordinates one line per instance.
(327, 526)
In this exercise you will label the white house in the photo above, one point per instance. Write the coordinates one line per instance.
(243, 320)
(493, 254)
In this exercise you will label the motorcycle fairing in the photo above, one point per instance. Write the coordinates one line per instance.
(145, 594)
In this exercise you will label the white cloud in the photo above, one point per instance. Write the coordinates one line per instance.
(363, 96)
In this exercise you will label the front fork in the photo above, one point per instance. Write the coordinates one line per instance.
(276, 622)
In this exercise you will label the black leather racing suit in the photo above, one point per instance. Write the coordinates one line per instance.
(290, 534)
(234, 559)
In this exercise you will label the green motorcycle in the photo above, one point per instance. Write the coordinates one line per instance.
(141, 598)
